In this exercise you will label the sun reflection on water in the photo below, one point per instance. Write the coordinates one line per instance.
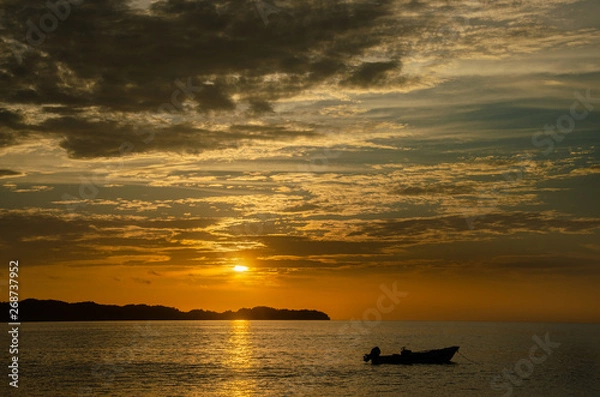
(240, 360)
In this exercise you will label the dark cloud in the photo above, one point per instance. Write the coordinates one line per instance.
(211, 57)
(10, 125)
(107, 56)
(370, 74)
(503, 223)
(258, 106)
(434, 189)
(302, 208)
(34, 234)
(570, 264)
(88, 139)
(303, 246)
(7, 138)
(10, 119)
(4, 172)
(133, 59)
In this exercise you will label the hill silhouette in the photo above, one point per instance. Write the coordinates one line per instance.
(54, 310)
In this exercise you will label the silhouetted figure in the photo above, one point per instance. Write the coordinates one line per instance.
(375, 352)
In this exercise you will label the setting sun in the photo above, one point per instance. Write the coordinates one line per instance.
(239, 268)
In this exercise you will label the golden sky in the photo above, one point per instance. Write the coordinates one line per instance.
(444, 150)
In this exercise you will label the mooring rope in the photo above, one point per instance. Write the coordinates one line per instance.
(468, 359)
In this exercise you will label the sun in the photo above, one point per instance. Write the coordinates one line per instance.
(241, 269)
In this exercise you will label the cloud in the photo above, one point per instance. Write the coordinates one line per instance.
(10, 123)
(291, 240)
(89, 139)
(430, 190)
(4, 173)
(493, 223)
(591, 170)
(75, 239)
(181, 67)
(177, 39)
(370, 74)
(29, 189)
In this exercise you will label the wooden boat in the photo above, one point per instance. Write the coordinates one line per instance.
(436, 356)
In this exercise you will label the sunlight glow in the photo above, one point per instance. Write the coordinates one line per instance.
(239, 268)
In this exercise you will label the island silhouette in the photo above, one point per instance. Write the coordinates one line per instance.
(54, 310)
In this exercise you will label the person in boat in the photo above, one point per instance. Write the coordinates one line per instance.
(404, 351)
(375, 352)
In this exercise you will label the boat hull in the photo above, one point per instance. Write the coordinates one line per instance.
(437, 356)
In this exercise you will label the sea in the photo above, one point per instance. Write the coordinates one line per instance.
(300, 358)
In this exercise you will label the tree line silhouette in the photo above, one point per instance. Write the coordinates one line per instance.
(54, 310)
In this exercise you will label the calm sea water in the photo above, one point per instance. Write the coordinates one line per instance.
(300, 358)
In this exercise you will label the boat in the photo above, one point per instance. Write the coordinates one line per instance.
(436, 356)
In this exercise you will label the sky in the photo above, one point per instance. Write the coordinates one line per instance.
(373, 159)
